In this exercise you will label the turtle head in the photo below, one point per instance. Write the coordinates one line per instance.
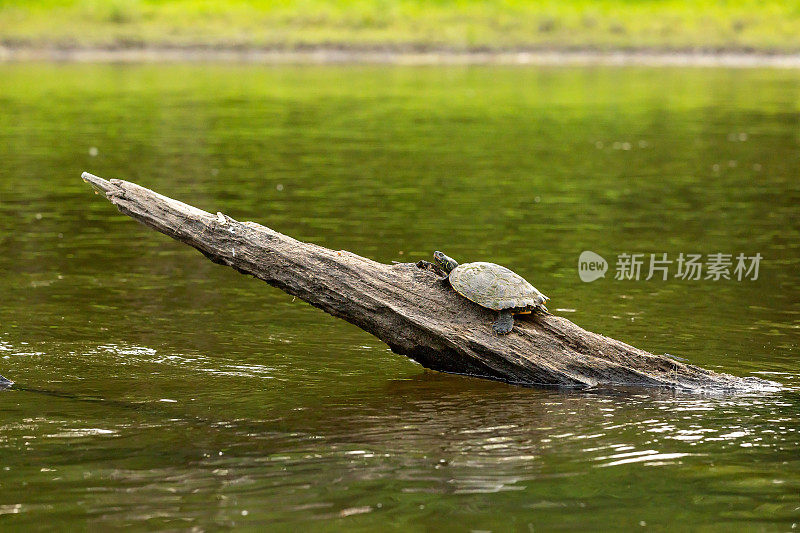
(445, 263)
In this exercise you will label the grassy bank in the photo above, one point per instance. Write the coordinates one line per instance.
(767, 25)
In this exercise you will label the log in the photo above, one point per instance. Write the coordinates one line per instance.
(409, 309)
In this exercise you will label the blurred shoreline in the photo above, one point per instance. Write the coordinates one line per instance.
(401, 56)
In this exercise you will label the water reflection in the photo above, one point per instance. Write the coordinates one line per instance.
(429, 434)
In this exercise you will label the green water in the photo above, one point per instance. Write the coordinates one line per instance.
(156, 389)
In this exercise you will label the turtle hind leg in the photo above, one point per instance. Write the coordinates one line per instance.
(505, 322)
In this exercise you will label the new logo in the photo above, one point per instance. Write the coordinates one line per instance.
(591, 266)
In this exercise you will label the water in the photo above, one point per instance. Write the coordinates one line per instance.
(157, 389)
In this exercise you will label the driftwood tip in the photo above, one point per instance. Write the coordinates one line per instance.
(98, 183)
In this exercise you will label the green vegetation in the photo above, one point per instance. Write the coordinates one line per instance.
(767, 25)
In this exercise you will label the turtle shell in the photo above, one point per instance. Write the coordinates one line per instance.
(495, 286)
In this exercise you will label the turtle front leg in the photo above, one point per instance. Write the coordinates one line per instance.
(505, 322)
(427, 265)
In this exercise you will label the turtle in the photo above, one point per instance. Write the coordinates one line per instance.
(492, 286)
